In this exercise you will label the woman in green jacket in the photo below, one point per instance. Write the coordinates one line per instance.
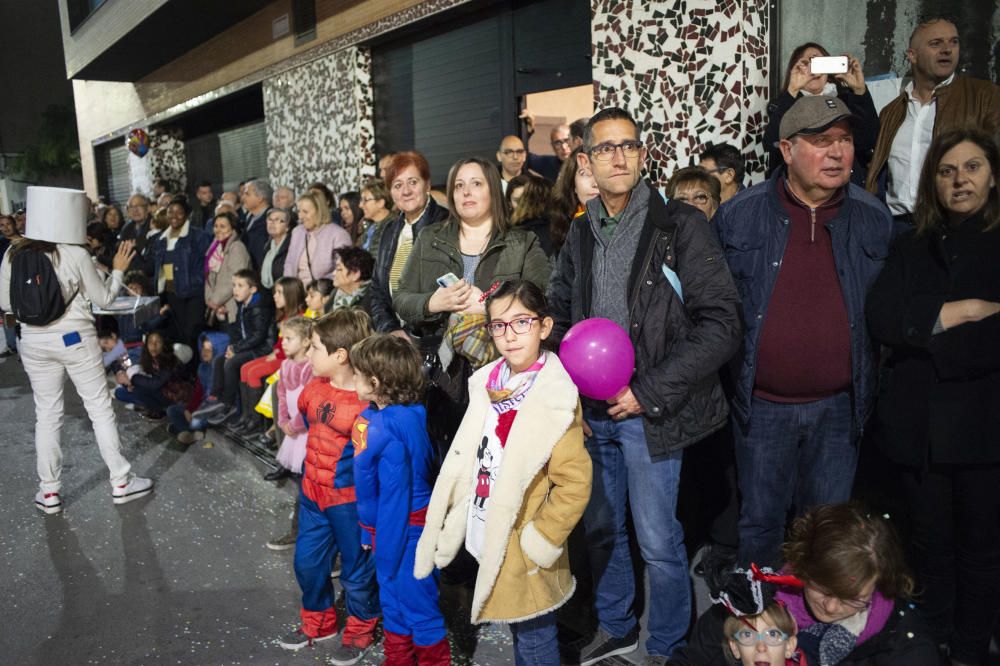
(440, 294)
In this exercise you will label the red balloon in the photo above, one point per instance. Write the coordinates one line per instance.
(599, 357)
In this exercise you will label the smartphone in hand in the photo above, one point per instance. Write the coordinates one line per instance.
(828, 65)
(447, 280)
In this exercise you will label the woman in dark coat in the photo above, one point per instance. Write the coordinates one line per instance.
(936, 305)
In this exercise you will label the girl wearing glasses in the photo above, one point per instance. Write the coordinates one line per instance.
(516, 480)
(765, 639)
(846, 585)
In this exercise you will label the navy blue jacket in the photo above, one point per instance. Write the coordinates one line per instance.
(753, 230)
(189, 261)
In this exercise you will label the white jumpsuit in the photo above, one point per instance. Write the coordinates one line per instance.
(50, 352)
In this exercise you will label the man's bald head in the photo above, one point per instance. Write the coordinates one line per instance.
(511, 156)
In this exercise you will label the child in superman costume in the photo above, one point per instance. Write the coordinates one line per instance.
(394, 474)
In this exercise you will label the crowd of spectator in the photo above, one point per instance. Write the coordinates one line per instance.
(859, 284)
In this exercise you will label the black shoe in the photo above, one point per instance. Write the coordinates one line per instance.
(277, 474)
(715, 557)
(227, 413)
(605, 645)
(154, 416)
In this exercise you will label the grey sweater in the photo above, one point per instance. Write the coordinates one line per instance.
(613, 256)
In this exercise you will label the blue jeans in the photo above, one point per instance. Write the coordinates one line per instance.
(147, 398)
(535, 641)
(625, 475)
(179, 423)
(790, 455)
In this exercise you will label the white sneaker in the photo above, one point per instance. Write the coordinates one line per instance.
(133, 490)
(49, 503)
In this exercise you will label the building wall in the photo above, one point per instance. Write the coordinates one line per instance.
(881, 38)
(245, 55)
(692, 73)
(319, 122)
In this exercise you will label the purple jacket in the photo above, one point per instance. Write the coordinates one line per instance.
(330, 236)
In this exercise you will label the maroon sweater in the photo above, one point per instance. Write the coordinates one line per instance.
(804, 353)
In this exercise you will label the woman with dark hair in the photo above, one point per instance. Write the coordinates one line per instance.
(528, 197)
(696, 187)
(101, 243)
(179, 272)
(376, 202)
(226, 255)
(409, 180)
(157, 384)
(351, 215)
(936, 305)
(574, 187)
(479, 248)
(352, 272)
(112, 218)
(846, 584)
(850, 87)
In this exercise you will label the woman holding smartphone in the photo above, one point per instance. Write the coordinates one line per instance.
(804, 76)
(476, 245)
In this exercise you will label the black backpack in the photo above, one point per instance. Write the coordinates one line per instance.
(35, 293)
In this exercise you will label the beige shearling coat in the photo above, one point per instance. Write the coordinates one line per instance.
(539, 495)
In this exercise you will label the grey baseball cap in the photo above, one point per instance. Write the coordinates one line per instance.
(812, 114)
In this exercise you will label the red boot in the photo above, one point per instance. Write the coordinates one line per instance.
(438, 654)
(398, 649)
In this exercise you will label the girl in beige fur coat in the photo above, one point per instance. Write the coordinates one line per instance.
(515, 481)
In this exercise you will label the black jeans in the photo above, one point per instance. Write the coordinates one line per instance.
(187, 319)
(955, 552)
(226, 376)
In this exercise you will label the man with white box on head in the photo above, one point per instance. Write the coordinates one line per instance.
(58, 335)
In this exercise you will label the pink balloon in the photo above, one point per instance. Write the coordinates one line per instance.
(598, 355)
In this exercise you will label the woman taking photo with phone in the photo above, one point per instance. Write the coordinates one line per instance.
(802, 79)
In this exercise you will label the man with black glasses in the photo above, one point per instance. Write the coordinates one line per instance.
(511, 155)
(655, 269)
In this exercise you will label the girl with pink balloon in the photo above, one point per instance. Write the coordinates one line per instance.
(516, 479)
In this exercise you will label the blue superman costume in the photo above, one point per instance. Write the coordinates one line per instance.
(393, 475)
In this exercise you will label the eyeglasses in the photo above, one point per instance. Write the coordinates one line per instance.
(560, 142)
(138, 207)
(516, 152)
(605, 152)
(700, 198)
(853, 604)
(367, 199)
(520, 326)
(771, 636)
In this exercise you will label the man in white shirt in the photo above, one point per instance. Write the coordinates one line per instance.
(934, 101)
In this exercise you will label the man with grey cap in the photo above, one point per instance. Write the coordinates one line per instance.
(803, 247)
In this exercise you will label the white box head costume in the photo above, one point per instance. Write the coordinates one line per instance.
(57, 215)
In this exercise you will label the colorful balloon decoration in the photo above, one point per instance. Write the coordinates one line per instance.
(598, 355)
(138, 142)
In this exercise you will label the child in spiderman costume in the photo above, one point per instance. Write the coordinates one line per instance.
(328, 510)
(394, 474)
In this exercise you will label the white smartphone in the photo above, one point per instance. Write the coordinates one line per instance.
(828, 65)
(447, 280)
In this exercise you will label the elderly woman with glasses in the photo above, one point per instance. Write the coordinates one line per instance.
(697, 187)
(846, 585)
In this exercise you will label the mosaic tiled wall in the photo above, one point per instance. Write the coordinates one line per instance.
(692, 72)
(166, 158)
(319, 122)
